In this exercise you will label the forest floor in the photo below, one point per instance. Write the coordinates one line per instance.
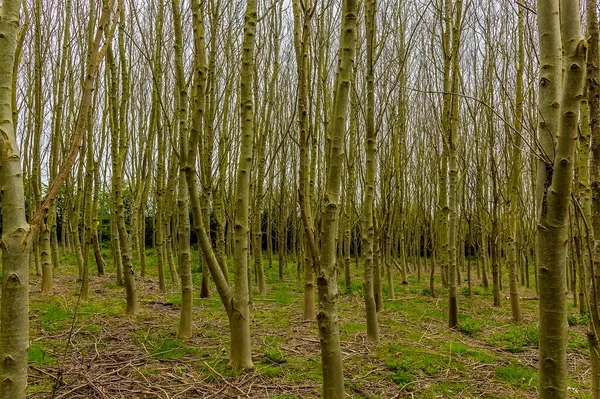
(92, 350)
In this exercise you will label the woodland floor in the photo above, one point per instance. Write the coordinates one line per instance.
(101, 353)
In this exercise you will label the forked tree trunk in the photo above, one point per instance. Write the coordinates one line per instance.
(16, 233)
(301, 43)
(236, 306)
(184, 192)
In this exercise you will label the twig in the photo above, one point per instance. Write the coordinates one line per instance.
(223, 378)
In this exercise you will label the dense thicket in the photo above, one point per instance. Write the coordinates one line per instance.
(416, 136)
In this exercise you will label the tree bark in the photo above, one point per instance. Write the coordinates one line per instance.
(327, 317)
(368, 228)
(553, 187)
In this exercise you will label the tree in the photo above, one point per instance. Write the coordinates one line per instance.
(327, 318)
(236, 304)
(16, 233)
(452, 133)
(591, 209)
(515, 178)
(14, 339)
(553, 187)
(302, 20)
(183, 195)
(368, 227)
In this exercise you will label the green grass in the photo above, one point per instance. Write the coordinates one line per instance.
(406, 363)
(517, 338)
(353, 328)
(458, 348)
(416, 354)
(168, 348)
(469, 325)
(576, 319)
(272, 351)
(218, 365)
(269, 371)
(517, 375)
(53, 316)
(284, 298)
(39, 355)
(304, 369)
(578, 341)
(451, 389)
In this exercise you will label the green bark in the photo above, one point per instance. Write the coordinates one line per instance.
(301, 43)
(515, 179)
(14, 318)
(184, 255)
(327, 317)
(591, 197)
(368, 228)
(240, 323)
(555, 172)
(453, 172)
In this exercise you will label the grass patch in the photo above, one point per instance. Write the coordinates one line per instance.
(39, 355)
(274, 355)
(217, 365)
(272, 350)
(576, 319)
(407, 363)
(283, 298)
(468, 325)
(517, 338)
(269, 371)
(169, 348)
(353, 328)
(53, 317)
(578, 341)
(303, 369)
(356, 288)
(517, 375)
(451, 388)
(464, 350)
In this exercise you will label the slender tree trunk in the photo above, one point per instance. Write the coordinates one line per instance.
(368, 227)
(593, 209)
(377, 288)
(14, 318)
(116, 246)
(515, 181)
(453, 172)
(240, 323)
(301, 43)
(160, 240)
(118, 151)
(327, 318)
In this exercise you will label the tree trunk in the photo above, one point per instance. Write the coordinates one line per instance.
(515, 181)
(591, 208)
(327, 318)
(553, 188)
(368, 226)
(14, 318)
